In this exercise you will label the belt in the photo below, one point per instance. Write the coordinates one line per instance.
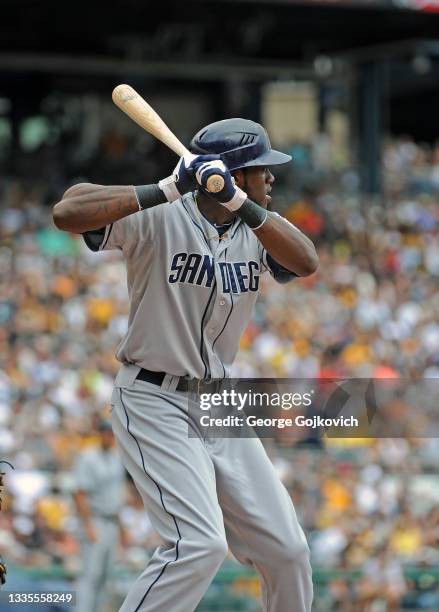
(184, 384)
(156, 378)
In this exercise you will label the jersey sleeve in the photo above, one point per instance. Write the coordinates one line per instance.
(278, 272)
(127, 233)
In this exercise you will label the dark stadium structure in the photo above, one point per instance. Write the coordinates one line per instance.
(385, 53)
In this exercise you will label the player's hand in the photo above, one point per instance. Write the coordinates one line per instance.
(182, 178)
(230, 196)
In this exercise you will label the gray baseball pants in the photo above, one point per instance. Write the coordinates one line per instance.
(205, 495)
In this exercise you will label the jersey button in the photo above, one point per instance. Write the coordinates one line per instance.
(222, 302)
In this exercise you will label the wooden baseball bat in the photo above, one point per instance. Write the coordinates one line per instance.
(133, 105)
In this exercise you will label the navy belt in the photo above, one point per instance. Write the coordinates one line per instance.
(156, 378)
(184, 384)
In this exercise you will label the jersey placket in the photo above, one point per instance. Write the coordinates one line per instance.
(219, 315)
(220, 309)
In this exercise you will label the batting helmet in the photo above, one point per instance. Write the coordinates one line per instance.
(239, 143)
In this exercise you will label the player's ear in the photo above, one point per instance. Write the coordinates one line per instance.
(239, 177)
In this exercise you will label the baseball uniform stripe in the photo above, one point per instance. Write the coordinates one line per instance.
(237, 228)
(107, 237)
(202, 328)
(225, 324)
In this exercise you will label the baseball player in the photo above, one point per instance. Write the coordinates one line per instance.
(99, 479)
(193, 263)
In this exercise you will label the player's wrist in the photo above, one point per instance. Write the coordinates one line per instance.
(236, 201)
(149, 195)
(169, 188)
(252, 214)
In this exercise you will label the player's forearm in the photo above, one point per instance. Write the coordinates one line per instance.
(288, 245)
(86, 206)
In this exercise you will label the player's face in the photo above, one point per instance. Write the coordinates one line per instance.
(256, 181)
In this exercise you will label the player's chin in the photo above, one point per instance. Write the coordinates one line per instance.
(267, 201)
(262, 200)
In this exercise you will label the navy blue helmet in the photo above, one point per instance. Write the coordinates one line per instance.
(239, 143)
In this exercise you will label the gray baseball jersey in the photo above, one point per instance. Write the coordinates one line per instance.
(191, 292)
(101, 475)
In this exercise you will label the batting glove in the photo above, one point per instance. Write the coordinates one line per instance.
(182, 178)
(230, 196)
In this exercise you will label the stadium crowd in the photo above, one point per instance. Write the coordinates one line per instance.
(369, 506)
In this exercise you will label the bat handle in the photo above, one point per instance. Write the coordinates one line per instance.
(215, 183)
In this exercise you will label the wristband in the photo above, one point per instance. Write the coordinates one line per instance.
(239, 197)
(169, 188)
(252, 214)
(148, 196)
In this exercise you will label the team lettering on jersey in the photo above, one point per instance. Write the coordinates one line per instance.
(196, 269)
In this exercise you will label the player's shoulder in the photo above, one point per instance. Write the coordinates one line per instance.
(182, 210)
(143, 226)
(185, 205)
